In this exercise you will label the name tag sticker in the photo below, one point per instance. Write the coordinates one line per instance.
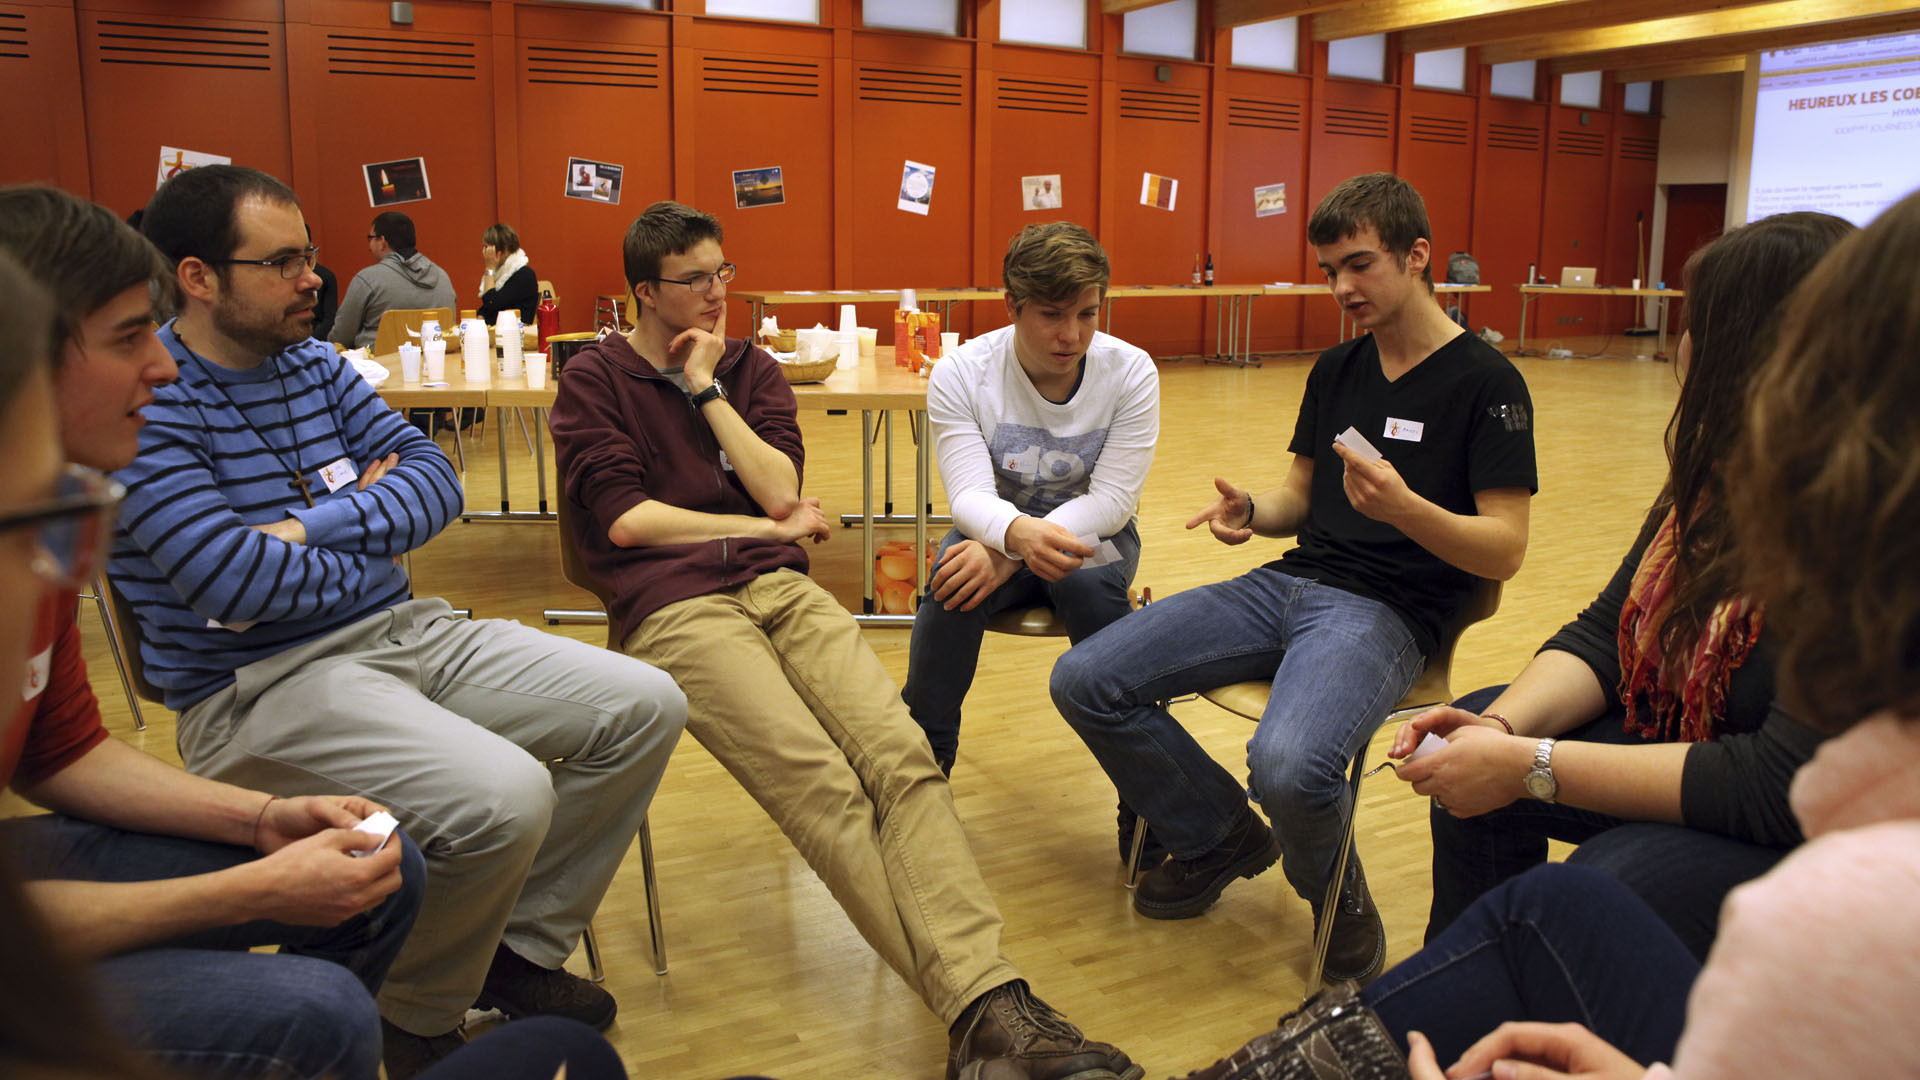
(39, 669)
(1405, 430)
(338, 475)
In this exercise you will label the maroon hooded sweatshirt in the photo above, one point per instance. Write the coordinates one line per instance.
(624, 433)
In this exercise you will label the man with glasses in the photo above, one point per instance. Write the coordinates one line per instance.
(680, 456)
(400, 278)
(159, 878)
(266, 515)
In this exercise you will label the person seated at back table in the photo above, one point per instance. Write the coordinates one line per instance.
(680, 453)
(1388, 552)
(1044, 431)
(509, 283)
(400, 278)
(1647, 730)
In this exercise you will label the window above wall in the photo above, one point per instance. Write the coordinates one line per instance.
(928, 16)
(1061, 23)
(803, 11)
(1358, 58)
(1443, 69)
(1581, 88)
(1274, 44)
(1637, 97)
(1171, 29)
(1515, 80)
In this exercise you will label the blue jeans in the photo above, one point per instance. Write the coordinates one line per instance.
(533, 1049)
(1683, 874)
(945, 650)
(1338, 662)
(201, 1004)
(1557, 944)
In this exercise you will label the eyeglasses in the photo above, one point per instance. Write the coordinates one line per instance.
(702, 282)
(72, 528)
(290, 266)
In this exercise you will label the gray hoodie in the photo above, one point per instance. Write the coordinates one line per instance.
(393, 282)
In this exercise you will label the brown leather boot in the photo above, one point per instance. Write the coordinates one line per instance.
(1357, 949)
(1009, 1034)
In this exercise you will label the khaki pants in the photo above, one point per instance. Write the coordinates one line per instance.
(782, 689)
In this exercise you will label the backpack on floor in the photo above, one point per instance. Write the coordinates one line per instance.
(1463, 269)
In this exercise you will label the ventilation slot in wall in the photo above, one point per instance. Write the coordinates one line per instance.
(911, 87)
(1635, 148)
(1513, 137)
(1042, 95)
(1366, 123)
(744, 75)
(1440, 129)
(122, 41)
(13, 36)
(399, 57)
(599, 65)
(1262, 113)
(1178, 106)
(1580, 143)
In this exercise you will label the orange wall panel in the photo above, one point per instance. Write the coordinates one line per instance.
(1574, 216)
(40, 63)
(1266, 143)
(1509, 171)
(1352, 134)
(1162, 129)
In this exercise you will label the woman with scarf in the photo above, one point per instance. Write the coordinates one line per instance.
(1647, 730)
(509, 283)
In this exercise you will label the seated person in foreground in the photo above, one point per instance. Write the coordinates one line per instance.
(1388, 551)
(1673, 755)
(265, 519)
(1044, 431)
(1807, 976)
(680, 452)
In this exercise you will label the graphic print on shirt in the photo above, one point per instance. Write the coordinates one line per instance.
(1037, 470)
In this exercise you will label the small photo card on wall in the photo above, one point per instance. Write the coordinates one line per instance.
(594, 181)
(1160, 192)
(758, 187)
(390, 183)
(174, 161)
(1040, 192)
(916, 188)
(1269, 199)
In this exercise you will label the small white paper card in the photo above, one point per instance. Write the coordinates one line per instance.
(1357, 443)
(381, 825)
(1103, 552)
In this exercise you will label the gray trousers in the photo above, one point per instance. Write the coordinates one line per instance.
(521, 762)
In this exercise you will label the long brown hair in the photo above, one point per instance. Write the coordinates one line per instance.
(1825, 481)
(1736, 286)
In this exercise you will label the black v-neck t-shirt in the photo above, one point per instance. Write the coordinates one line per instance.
(1462, 422)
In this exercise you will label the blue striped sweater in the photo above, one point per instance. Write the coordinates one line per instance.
(212, 594)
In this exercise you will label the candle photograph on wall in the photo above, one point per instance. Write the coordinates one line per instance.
(1040, 192)
(174, 161)
(916, 188)
(392, 182)
(1160, 192)
(1269, 199)
(595, 181)
(758, 187)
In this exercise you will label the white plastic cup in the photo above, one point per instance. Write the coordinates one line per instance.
(949, 341)
(869, 340)
(410, 364)
(849, 322)
(849, 345)
(537, 371)
(909, 300)
(435, 354)
(1636, 283)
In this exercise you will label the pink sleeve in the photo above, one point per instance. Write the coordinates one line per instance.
(1805, 978)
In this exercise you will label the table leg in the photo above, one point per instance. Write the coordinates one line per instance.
(866, 511)
(500, 420)
(1525, 299)
(1663, 326)
(540, 457)
(889, 431)
(922, 495)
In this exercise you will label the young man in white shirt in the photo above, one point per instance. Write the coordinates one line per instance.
(1044, 430)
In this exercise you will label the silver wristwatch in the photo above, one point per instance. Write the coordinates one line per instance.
(1539, 779)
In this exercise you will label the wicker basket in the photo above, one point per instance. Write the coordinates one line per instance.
(784, 341)
(811, 371)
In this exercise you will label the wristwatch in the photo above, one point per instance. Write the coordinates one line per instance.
(1539, 780)
(713, 392)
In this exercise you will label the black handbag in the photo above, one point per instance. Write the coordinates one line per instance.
(1334, 1036)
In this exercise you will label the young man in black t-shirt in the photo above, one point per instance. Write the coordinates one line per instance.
(1387, 552)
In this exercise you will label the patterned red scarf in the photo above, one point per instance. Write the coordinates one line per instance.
(1697, 710)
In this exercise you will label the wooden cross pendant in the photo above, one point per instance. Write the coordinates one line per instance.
(306, 492)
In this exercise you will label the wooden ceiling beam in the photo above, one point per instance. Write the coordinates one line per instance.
(1555, 18)
(1121, 7)
(1231, 13)
(1391, 16)
(1755, 20)
(1686, 69)
(1675, 52)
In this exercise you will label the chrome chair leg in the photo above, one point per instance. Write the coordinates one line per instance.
(654, 927)
(1323, 933)
(595, 970)
(99, 598)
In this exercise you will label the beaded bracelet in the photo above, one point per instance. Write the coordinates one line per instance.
(1502, 719)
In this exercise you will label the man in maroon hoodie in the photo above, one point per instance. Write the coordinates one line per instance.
(680, 453)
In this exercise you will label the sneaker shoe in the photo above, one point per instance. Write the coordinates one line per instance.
(407, 1055)
(519, 987)
(1152, 853)
(1182, 888)
(1357, 949)
(1009, 1034)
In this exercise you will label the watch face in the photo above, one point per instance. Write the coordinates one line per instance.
(1541, 785)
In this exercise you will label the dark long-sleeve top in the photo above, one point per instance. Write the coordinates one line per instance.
(1736, 784)
(521, 290)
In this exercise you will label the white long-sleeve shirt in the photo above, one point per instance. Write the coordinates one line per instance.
(1004, 450)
